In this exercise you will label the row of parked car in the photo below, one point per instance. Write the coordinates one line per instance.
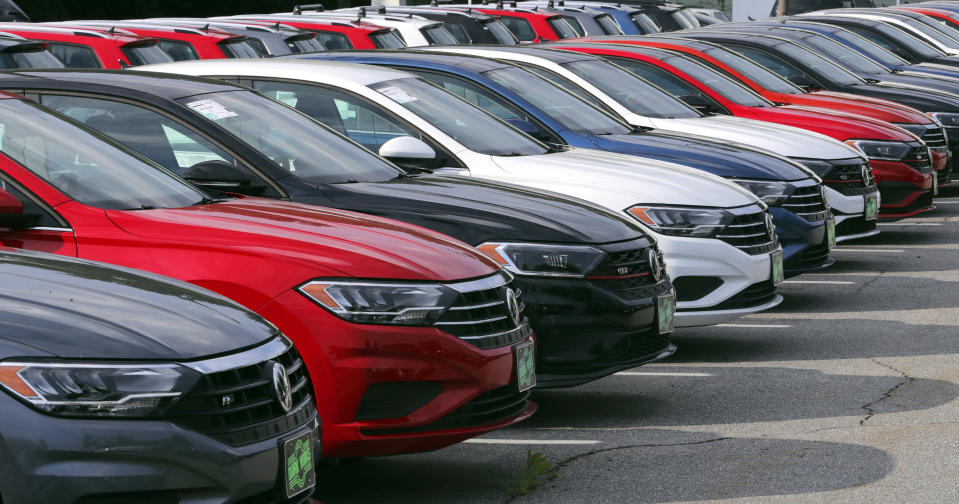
(315, 253)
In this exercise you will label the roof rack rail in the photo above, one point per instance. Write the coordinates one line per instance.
(298, 9)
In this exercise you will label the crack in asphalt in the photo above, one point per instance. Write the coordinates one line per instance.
(870, 281)
(870, 405)
(574, 458)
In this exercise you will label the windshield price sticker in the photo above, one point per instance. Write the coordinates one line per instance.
(396, 94)
(211, 109)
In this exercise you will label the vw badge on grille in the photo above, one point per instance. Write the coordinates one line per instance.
(655, 268)
(770, 227)
(281, 385)
(865, 173)
(512, 304)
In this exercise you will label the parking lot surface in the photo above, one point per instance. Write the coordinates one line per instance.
(845, 393)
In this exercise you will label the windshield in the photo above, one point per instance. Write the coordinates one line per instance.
(608, 24)
(868, 48)
(645, 23)
(825, 68)
(565, 108)
(754, 72)
(901, 38)
(437, 35)
(474, 129)
(238, 48)
(295, 142)
(561, 26)
(843, 55)
(87, 168)
(145, 54)
(35, 57)
(940, 33)
(387, 39)
(500, 32)
(630, 91)
(732, 90)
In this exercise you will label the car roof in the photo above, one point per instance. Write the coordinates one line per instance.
(304, 69)
(554, 55)
(169, 87)
(470, 63)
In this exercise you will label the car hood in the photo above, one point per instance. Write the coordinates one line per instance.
(617, 181)
(477, 211)
(940, 83)
(783, 140)
(320, 240)
(874, 108)
(722, 159)
(76, 309)
(838, 125)
(918, 96)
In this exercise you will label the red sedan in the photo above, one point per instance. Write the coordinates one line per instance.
(902, 165)
(394, 322)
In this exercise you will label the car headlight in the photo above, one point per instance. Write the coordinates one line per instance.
(537, 259)
(370, 302)
(771, 192)
(97, 390)
(947, 119)
(674, 221)
(882, 151)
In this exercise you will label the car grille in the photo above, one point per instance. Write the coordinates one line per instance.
(754, 295)
(935, 138)
(808, 203)
(752, 233)
(625, 270)
(846, 177)
(919, 159)
(480, 315)
(240, 406)
(490, 407)
(854, 226)
(813, 256)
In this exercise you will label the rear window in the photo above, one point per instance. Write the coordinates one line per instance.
(458, 33)
(500, 32)
(74, 56)
(644, 23)
(259, 47)
(608, 24)
(521, 28)
(301, 45)
(238, 48)
(333, 40)
(561, 26)
(387, 39)
(437, 35)
(145, 54)
(34, 57)
(179, 51)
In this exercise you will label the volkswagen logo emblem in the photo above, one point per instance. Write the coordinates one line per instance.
(281, 386)
(865, 174)
(655, 268)
(512, 305)
(770, 227)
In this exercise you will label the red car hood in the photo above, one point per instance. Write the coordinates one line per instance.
(296, 235)
(837, 125)
(872, 108)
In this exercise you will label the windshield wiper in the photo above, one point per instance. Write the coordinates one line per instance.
(347, 181)
(210, 201)
(142, 207)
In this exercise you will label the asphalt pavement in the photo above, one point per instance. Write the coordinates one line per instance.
(844, 393)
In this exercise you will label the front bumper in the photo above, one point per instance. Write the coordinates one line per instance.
(905, 191)
(849, 212)
(804, 243)
(50, 459)
(422, 376)
(588, 329)
(730, 269)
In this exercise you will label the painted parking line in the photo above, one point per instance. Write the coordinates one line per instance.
(765, 326)
(656, 373)
(873, 251)
(533, 441)
(823, 282)
(909, 224)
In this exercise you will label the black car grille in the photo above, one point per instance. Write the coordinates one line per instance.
(935, 138)
(751, 233)
(854, 226)
(639, 346)
(919, 159)
(754, 295)
(490, 407)
(634, 288)
(813, 256)
(633, 262)
(808, 203)
(240, 406)
(847, 178)
(482, 318)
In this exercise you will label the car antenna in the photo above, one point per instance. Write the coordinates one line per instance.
(550, 4)
(499, 4)
(362, 13)
(434, 3)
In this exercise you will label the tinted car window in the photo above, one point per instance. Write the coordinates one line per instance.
(13, 58)
(520, 28)
(458, 33)
(562, 27)
(74, 56)
(644, 23)
(892, 38)
(437, 35)
(765, 78)
(145, 54)
(564, 83)
(818, 63)
(730, 89)
(662, 78)
(873, 50)
(30, 207)
(258, 46)
(238, 49)
(475, 94)
(178, 50)
(499, 30)
(334, 41)
(843, 55)
(639, 96)
(387, 39)
(301, 45)
(87, 168)
(608, 24)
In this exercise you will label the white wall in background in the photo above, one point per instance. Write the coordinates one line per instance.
(756, 9)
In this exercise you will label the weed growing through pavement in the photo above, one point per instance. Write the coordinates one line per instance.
(537, 466)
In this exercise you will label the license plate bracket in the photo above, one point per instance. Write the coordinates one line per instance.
(777, 270)
(524, 362)
(871, 206)
(298, 464)
(831, 233)
(665, 312)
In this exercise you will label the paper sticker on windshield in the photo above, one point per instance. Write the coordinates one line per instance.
(396, 94)
(211, 109)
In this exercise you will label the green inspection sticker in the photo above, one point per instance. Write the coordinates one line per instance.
(871, 205)
(298, 457)
(778, 273)
(524, 358)
(665, 311)
(831, 233)
(935, 184)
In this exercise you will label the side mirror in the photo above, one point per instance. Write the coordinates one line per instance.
(11, 213)
(221, 176)
(803, 82)
(408, 151)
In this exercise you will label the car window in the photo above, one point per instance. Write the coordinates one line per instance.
(819, 64)
(499, 30)
(16, 58)
(753, 71)
(475, 94)
(157, 137)
(660, 77)
(237, 48)
(178, 50)
(576, 25)
(87, 168)
(562, 27)
(258, 46)
(437, 35)
(843, 55)
(638, 95)
(387, 39)
(458, 33)
(608, 24)
(874, 51)
(774, 63)
(74, 56)
(145, 54)
(563, 82)
(716, 81)
(520, 27)
(333, 41)
(30, 207)
(644, 23)
(304, 44)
